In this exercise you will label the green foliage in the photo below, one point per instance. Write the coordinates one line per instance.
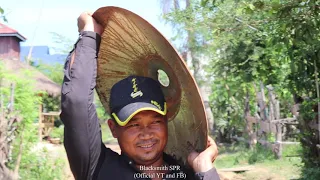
(26, 101)
(106, 134)
(260, 154)
(242, 155)
(53, 71)
(101, 112)
(252, 41)
(163, 78)
(38, 164)
(56, 74)
(271, 137)
(64, 44)
(33, 165)
(50, 103)
(312, 173)
(58, 132)
(2, 16)
(292, 150)
(309, 136)
(211, 3)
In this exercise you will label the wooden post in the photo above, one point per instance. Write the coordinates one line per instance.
(279, 130)
(271, 111)
(209, 114)
(250, 120)
(263, 112)
(3, 127)
(263, 103)
(40, 123)
(318, 96)
(11, 98)
(274, 115)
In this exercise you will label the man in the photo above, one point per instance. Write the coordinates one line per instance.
(138, 122)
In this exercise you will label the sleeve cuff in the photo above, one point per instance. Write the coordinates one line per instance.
(209, 175)
(90, 39)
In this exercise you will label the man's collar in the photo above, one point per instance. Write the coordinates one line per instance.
(166, 157)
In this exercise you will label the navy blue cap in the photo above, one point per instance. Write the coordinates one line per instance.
(133, 95)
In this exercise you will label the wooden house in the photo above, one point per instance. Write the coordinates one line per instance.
(10, 58)
(10, 42)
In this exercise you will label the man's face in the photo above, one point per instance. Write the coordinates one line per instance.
(144, 138)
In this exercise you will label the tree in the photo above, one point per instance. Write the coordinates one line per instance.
(19, 109)
(190, 51)
(63, 43)
(2, 15)
(55, 72)
(268, 43)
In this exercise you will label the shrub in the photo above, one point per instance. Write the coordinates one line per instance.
(40, 165)
(260, 154)
(58, 132)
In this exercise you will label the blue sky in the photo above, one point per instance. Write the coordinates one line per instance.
(36, 19)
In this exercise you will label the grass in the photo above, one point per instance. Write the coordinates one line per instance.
(264, 163)
(106, 134)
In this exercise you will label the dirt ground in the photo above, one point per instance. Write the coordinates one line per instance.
(255, 172)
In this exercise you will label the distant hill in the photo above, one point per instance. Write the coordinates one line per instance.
(43, 54)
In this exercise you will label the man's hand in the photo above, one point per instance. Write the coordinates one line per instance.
(202, 162)
(87, 23)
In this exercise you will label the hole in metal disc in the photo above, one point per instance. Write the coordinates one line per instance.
(163, 78)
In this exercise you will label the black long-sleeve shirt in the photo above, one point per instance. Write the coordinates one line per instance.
(88, 157)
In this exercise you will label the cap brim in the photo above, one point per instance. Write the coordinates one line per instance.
(128, 111)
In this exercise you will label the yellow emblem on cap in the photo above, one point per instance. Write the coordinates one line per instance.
(135, 92)
(156, 104)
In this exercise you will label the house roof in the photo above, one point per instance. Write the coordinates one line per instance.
(7, 31)
(43, 83)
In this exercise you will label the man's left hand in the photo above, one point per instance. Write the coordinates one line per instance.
(87, 23)
(203, 162)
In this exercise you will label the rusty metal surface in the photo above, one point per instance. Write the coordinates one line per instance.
(131, 46)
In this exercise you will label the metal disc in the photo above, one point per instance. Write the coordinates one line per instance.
(132, 46)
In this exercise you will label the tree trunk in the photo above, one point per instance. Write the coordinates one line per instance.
(7, 129)
(195, 61)
(318, 96)
(262, 103)
(205, 89)
(279, 136)
(262, 111)
(17, 167)
(250, 121)
(274, 114)
(5, 173)
(205, 93)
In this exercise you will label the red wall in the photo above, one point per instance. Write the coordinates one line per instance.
(9, 48)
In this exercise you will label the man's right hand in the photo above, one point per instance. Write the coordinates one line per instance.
(87, 23)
